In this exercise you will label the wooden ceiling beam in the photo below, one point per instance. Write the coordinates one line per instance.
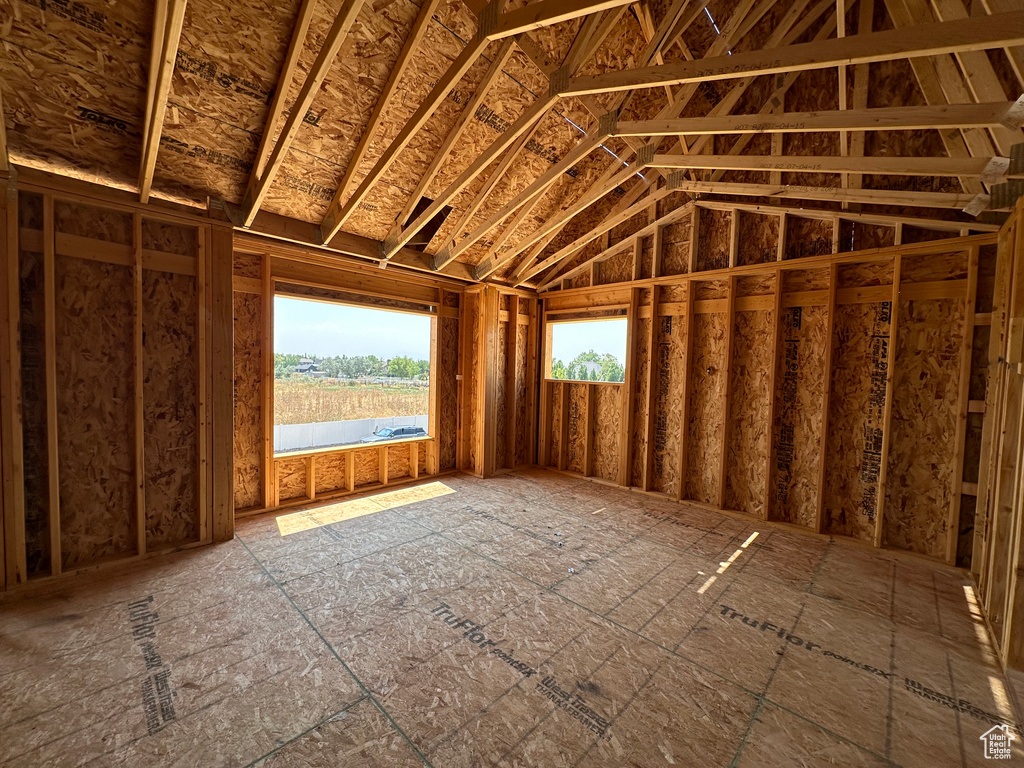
(977, 33)
(258, 187)
(881, 119)
(885, 166)
(882, 219)
(546, 13)
(409, 47)
(168, 17)
(284, 81)
(1015, 54)
(952, 200)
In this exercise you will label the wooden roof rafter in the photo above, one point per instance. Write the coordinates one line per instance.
(168, 18)
(259, 185)
(493, 26)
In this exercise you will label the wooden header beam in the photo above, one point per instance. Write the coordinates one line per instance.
(887, 166)
(977, 33)
(880, 119)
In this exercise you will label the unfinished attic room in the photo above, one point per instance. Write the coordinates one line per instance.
(584, 383)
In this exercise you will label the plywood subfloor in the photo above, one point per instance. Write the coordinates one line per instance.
(532, 619)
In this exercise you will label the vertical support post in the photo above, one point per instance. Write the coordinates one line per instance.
(533, 385)
(652, 385)
(350, 471)
(139, 383)
(963, 399)
(222, 386)
(50, 345)
(382, 464)
(563, 424)
(657, 250)
(434, 406)
(730, 318)
(12, 526)
(267, 373)
(890, 364)
(511, 387)
(638, 254)
(734, 237)
(835, 234)
(414, 461)
(629, 391)
(772, 399)
(826, 407)
(311, 477)
(202, 335)
(684, 426)
(694, 238)
(489, 361)
(588, 429)
(781, 254)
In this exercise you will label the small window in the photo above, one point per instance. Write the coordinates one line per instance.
(588, 350)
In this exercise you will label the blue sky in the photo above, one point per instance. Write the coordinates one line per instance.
(329, 330)
(602, 336)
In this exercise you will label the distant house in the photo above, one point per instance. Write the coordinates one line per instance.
(306, 366)
(591, 368)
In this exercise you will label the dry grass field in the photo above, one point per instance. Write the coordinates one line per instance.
(304, 401)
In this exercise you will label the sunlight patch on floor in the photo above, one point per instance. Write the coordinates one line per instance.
(297, 522)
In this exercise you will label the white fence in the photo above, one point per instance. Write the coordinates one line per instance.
(303, 437)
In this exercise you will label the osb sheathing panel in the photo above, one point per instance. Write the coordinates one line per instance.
(675, 248)
(74, 86)
(799, 401)
(860, 236)
(617, 269)
(922, 445)
(399, 460)
(247, 265)
(807, 237)
(668, 414)
(291, 478)
(367, 466)
(713, 239)
(749, 401)
(758, 238)
(331, 472)
(641, 360)
(762, 284)
(933, 267)
(607, 425)
(859, 343)
(95, 404)
(707, 394)
(864, 275)
(448, 413)
(578, 425)
(33, 399)
(805, 280)
(170, 357)
(248, 430)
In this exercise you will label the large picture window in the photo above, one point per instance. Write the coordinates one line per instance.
(345, 375)
(588, 350)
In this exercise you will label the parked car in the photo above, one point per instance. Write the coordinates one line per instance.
(394, 433)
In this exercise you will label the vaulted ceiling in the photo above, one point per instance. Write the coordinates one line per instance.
(503, 143)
